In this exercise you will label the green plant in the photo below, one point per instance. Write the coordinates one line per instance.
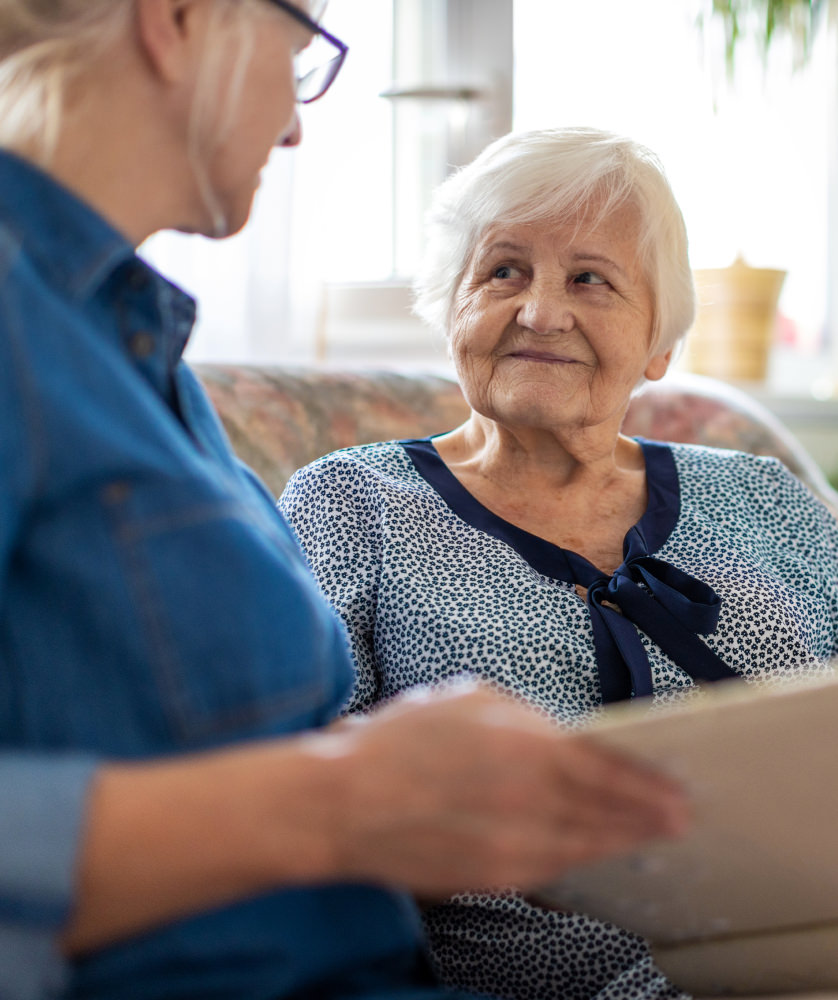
(763, 20)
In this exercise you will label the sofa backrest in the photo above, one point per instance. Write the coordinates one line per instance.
(280, 418)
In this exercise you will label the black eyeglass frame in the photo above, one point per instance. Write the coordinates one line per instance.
(334, 64)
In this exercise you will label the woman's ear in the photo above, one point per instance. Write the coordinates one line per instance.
(658, 366)
(170, 33)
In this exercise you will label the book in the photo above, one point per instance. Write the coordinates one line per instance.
(747, 902)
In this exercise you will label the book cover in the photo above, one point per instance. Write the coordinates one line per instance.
(747, 902)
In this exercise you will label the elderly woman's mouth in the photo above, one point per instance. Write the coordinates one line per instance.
(544, 357)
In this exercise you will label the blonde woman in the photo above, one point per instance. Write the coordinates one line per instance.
(175, 820)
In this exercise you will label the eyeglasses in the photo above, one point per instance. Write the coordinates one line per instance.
(319, 63)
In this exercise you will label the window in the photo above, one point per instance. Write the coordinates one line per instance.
(748, 162)
(322, 268)
(321, 271)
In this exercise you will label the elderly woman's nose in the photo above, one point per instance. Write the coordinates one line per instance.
(546, 308)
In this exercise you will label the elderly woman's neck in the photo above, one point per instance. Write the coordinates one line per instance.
(511, 455)
(582, 494)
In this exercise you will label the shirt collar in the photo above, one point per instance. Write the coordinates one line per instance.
(76, 248)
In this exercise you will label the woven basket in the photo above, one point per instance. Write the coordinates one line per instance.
(735, 322)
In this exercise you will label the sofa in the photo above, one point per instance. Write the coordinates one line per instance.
(280, 418)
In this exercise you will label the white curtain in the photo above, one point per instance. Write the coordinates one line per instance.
(257, 301)
(323, 213)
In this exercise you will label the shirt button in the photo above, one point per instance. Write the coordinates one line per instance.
(137, 278)
(141, 344)
(116, 492)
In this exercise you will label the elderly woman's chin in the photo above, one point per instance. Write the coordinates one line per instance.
(555, 404)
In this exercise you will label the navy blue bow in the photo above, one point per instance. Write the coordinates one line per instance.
(670, 606)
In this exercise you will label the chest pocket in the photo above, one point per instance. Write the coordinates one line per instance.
(233, 634)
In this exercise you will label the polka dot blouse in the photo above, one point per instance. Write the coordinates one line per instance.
(733, 552)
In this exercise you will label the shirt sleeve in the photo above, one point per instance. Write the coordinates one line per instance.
(333, 508)
(42, 804)
(806, 528)
(42, 795)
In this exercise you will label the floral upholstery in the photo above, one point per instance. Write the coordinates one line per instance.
(696, 409)
(279, 419)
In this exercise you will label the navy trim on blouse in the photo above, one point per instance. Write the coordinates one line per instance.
(656, 525)
(645, 593)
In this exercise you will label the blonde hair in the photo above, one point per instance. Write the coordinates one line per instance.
(46, 44)
(43, 46)
(556, 174)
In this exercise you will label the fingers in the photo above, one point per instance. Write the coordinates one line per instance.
(636, 798)
(583, 780)
(448, 791)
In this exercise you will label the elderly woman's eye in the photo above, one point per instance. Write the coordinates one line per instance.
(505, 271)
(590, 278)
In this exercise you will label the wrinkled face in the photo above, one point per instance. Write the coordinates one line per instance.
(552, 323)
(265, 114)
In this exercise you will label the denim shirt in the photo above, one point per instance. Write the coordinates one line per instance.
(151, 601)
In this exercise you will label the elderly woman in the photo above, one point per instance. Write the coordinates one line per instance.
(180, 817)
(536, 545)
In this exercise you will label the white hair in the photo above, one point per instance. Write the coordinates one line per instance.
(44, 46)
(556, 175)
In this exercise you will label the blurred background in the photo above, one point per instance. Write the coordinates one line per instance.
(739, 98)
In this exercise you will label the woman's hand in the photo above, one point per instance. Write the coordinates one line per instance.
(464, 788)
(436, 792)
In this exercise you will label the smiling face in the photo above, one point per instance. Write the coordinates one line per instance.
(552, 323)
